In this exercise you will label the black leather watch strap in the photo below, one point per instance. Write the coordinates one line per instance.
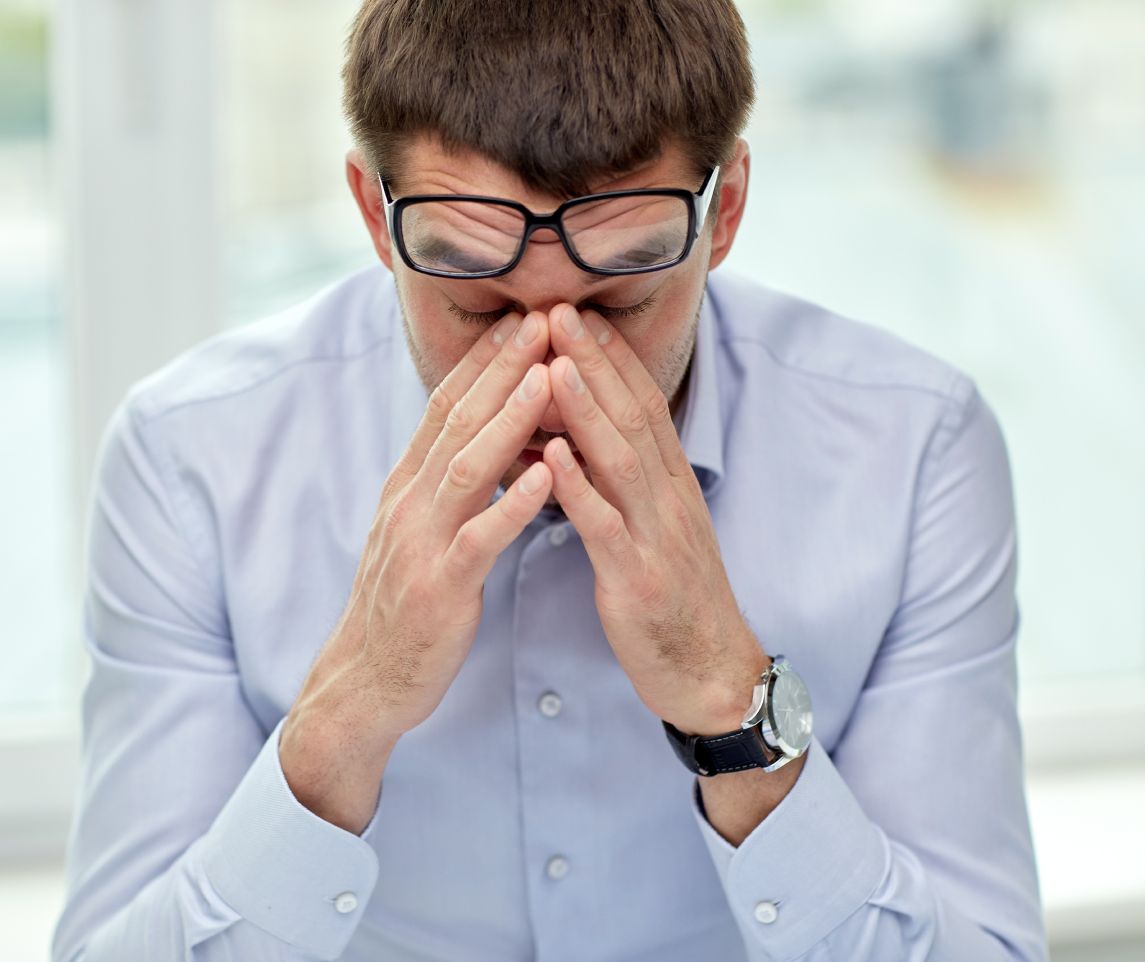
(719, 754)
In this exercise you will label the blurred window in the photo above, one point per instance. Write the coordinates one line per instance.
(289, 220)
(38, 617)
(971, 176)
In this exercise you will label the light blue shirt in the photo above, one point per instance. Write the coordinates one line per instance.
(862, 495)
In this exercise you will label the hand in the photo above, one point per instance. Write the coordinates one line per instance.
(416, 601)
(663, 595)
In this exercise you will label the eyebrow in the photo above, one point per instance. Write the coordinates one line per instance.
(439, 250)
(653, 251)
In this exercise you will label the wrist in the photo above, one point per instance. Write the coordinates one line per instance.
(726, 707)
(333, 758)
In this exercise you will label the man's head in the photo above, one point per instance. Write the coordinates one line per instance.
(538, 101)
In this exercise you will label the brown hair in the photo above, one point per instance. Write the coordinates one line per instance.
(562, 94)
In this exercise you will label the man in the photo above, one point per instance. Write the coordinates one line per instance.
(552, 720)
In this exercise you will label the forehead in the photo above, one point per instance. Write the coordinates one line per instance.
(428, 168)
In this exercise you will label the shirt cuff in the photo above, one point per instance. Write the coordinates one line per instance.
(808, 866)
(302, 879)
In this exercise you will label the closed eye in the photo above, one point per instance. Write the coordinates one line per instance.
(491, 317)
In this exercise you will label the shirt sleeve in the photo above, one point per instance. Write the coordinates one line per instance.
(911, 840)
(187, 843)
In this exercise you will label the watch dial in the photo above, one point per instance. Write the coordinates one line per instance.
(791, 705)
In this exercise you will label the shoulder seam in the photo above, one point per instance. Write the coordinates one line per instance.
(947, 394)
(154, 411)
(964, 398)
(180, 504)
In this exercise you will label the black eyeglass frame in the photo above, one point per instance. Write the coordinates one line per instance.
(698, 204)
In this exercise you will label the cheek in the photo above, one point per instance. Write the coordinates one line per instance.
(653, 337)
(448, 345)
(440, 340)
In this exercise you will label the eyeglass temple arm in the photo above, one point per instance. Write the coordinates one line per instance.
(703, 199)
(387, 205)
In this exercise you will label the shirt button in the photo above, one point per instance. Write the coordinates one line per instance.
(559, 535)
(558, 867)
(346, 902)
(766, 912)
(550, 704)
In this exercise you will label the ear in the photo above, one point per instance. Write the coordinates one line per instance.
(733, 197)
(368, 193)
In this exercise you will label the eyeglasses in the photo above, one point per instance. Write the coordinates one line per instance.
(616, 232)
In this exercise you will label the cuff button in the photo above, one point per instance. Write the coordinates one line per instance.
(346, 903)
(766, 912)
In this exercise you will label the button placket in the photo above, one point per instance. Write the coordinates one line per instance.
(553, 746)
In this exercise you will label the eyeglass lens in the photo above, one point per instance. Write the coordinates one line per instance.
(617, 233)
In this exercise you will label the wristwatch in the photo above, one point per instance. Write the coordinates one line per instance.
(775, 730)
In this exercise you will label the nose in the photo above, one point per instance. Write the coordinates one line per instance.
(546, 276)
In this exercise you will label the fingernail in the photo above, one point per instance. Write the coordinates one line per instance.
(531, 386)
(531, 480)
(570, 321)
(505, 328)
(565, 458)
(572, 378)
(599, 329)
(526, 332)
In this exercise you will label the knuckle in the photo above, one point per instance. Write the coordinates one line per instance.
(658, 407)
(462, 420)
(509, 509)
(612, 529)
(626, 363)
(681, 516)
(593, 364)
(505, 433)
(467, 549)
(440, 404)
(592, 415)
(506, 427)
(504, 370)
(505, 367)
(627, 467)
(394, 516)
(633, 420)
(459, 472)
(394, 483)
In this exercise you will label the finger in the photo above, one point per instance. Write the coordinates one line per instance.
(635, 375)
(457, 384)
(601, 525)
(442, 399)
(628, 409)
(474, 472)
(617, 470)
(484, 537)
(485, 398)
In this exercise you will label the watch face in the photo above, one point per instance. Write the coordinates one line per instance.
(791, 710)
